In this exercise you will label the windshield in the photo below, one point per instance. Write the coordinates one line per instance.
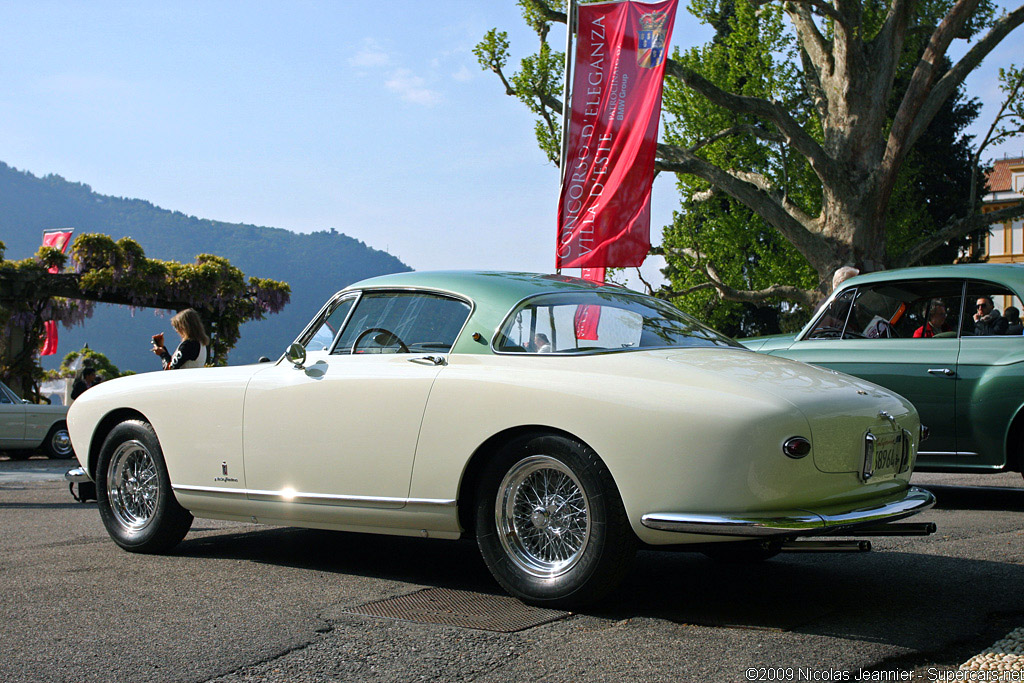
(604, 320)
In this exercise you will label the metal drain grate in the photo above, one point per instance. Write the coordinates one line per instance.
(461, 608)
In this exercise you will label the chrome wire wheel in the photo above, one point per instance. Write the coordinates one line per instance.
(133, 485)
(542, 516)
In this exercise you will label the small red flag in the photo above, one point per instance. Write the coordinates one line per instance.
(58, 239)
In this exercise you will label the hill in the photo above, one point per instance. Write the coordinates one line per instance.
(315, 265)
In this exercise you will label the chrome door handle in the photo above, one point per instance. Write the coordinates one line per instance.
(429, 360)
(941, 371)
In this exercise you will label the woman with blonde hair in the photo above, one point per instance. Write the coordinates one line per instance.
(191, 352)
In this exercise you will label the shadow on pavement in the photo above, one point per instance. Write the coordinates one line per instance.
(904, 599)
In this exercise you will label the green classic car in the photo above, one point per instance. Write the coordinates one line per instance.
(946, 337)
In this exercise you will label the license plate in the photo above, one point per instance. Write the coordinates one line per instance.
(886, 455)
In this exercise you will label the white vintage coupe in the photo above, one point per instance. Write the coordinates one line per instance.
(561, 423)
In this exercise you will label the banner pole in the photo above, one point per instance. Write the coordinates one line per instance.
(570, 28)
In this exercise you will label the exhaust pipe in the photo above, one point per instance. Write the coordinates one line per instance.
(903, 529)
(826, 546)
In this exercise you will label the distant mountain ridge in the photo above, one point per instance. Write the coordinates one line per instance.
(315, 264)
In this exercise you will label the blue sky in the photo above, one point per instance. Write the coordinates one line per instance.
(372, 118)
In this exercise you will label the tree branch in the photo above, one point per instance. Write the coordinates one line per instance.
(957, 228)
(755, 131)
(727, 293)
(824, 9)
(908, 119)
(546, 13)
(794, 134)
(753, 190)
(1012, 88)
(956, 75)
(815, 55)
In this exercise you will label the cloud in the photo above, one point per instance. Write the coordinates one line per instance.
(463, 74)
(370, 55)
(411, 88)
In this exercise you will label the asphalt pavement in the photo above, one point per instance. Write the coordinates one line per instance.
(239, 602)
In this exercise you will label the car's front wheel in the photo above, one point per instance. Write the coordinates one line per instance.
(58, 442)
(550, 523)
(133, 490)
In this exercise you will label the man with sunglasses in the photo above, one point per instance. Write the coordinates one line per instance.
(987, 321)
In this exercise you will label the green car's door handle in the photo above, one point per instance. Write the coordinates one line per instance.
(941, 371)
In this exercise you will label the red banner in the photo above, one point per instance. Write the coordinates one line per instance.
(50, 339)
(604, 210)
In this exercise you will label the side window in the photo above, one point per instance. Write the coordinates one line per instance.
(571, 327)
(330, 325)
(403, 322)
(993, 310)
(831, 323)
(891, 310)
(933, 309)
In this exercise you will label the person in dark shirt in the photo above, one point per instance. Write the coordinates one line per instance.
(86, 378)
(987, 320)
(192, 351)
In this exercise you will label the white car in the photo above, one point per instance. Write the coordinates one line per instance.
(561, 423)
(27, 427)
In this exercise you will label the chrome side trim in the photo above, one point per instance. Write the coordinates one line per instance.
(793, 522)
(313, 498)
(77, 475)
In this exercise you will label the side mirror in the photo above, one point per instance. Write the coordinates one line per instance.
(296, 355)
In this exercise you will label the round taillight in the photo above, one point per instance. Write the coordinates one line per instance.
(797, 447)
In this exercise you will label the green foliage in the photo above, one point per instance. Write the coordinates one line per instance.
(121, 269)
(752, 54)
(211, 285)
(90, 358)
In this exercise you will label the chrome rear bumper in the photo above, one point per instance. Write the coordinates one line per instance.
(793, 522)
(77, 475)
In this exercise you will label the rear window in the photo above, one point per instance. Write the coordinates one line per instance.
(604, 320)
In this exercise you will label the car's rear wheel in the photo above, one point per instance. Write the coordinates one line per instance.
(550, 523)
(58, 442)
(133, 490)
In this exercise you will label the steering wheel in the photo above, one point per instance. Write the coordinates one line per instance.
(384, 338)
